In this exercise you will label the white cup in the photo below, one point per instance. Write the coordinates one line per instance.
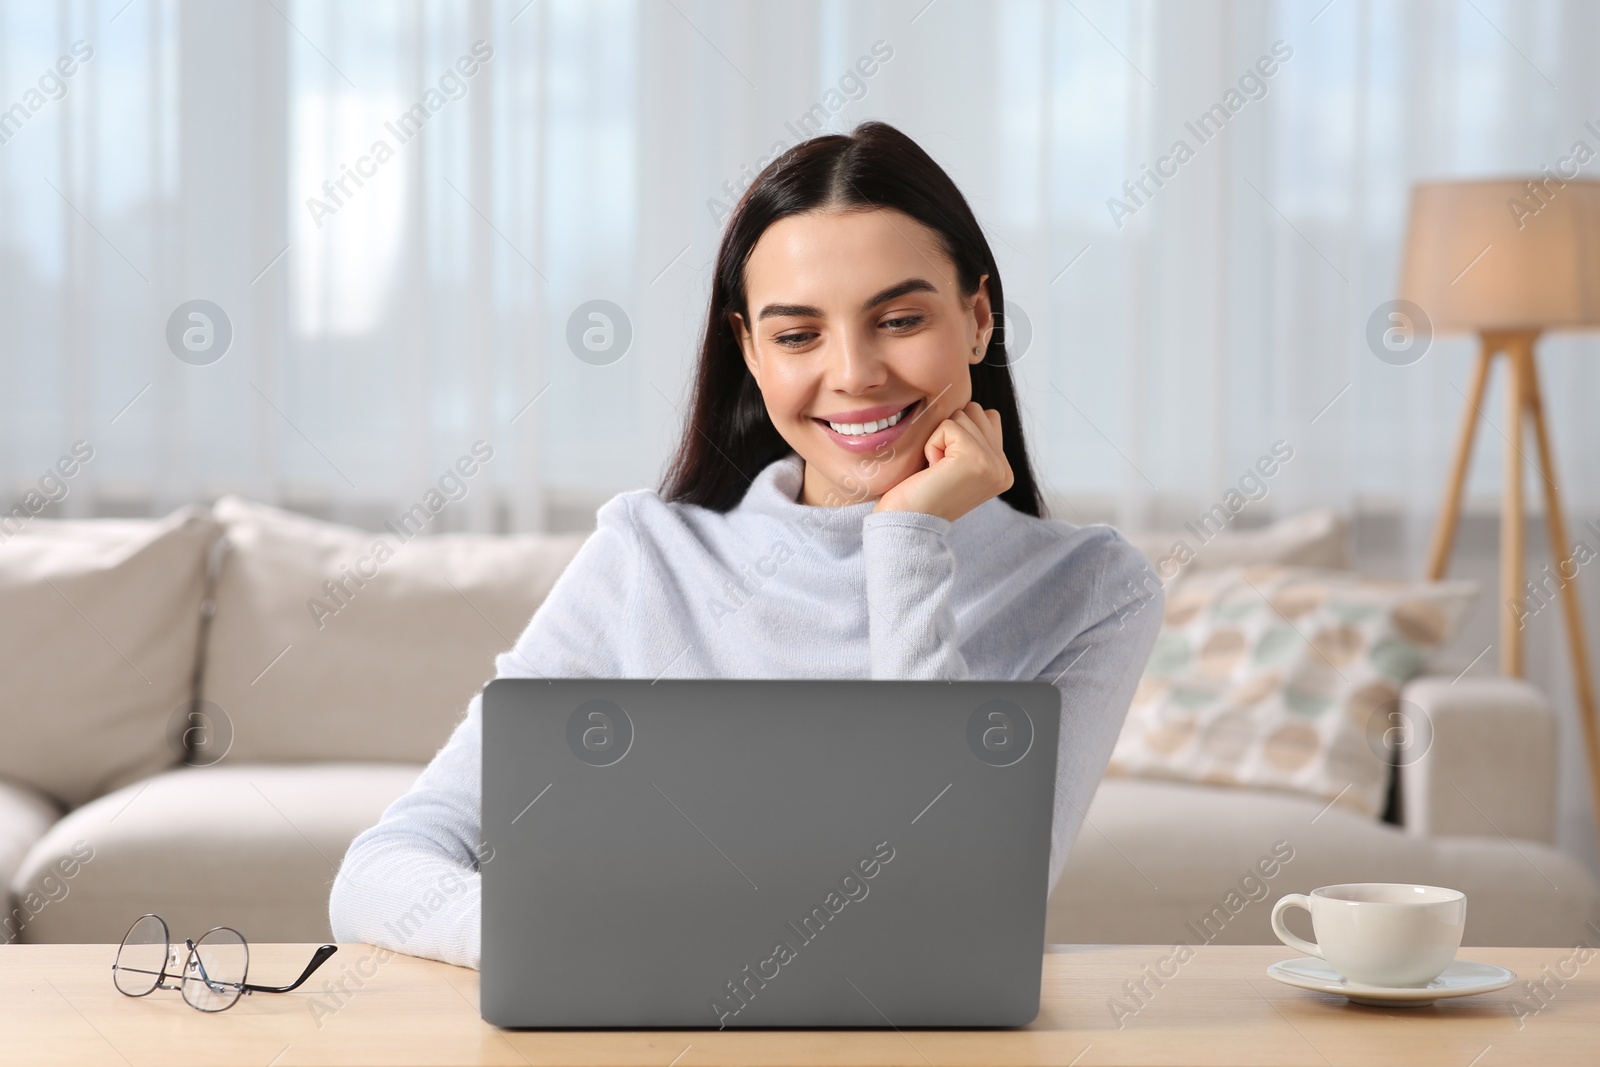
(1380, 933)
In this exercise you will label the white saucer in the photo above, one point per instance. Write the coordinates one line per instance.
(1462, 978)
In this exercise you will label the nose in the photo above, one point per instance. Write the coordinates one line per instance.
(855, 365)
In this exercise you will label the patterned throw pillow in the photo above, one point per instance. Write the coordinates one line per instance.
(1284, 677)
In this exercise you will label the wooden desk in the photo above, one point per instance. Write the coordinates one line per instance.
(58, 1006)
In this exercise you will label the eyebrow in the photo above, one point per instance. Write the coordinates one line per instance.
(910, 285)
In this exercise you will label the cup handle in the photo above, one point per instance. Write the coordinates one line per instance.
(1292, 900)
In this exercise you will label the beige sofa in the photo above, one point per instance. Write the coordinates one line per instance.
(200, 712)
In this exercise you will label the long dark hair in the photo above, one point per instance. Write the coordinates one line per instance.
(729, 438)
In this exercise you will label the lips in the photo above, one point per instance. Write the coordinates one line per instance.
(870, 442)
(864, 415)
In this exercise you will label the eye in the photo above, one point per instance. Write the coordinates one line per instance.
(794, 340)
(903, 322)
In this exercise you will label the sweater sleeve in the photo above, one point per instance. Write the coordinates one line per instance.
(411, 883)
(1097, 672)
(1108, 604)
(911, 573)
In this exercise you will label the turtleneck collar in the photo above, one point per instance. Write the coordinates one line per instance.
(775, 495)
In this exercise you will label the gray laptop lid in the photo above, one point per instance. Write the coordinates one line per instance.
(718, 853)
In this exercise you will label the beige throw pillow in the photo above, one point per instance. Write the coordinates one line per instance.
(101, 625)
(1315, 538)
(331, 643)
(1286, 678)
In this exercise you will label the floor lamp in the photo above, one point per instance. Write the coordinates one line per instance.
(1510, 259)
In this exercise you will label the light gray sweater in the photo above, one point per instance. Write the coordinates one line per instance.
(779, 589)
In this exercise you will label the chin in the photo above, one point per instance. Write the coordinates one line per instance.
(883, 478)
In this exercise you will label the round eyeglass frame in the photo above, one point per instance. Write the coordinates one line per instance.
(201, 990)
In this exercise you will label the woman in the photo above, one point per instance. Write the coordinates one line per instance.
(852, 498)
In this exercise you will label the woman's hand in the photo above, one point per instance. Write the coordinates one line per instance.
(967, 465)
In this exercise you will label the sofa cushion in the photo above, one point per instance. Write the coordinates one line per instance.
(332, 643)
(1285, 678)
(25, 815)
(99, 653)
(1316, 538)
(254, 847)
(1159, 863)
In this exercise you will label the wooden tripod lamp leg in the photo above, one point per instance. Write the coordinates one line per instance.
(1511, 525)
(1444, 531)
(1559, 548)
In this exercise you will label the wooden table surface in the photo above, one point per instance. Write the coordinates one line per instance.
(58, 1006)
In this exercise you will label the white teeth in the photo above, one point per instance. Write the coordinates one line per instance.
(858, 429)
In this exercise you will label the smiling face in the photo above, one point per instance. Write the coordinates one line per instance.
(861, 344)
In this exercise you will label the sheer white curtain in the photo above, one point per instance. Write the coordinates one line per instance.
(380, 327)
(1176, 333)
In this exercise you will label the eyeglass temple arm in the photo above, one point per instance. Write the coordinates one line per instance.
(316, 961)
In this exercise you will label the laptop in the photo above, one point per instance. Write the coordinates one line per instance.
(722, 853)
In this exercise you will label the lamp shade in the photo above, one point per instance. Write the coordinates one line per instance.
(1514, 254)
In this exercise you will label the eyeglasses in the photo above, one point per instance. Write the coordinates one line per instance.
(212, 974)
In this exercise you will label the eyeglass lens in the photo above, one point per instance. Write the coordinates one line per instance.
(213, 976)
(143, 956)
